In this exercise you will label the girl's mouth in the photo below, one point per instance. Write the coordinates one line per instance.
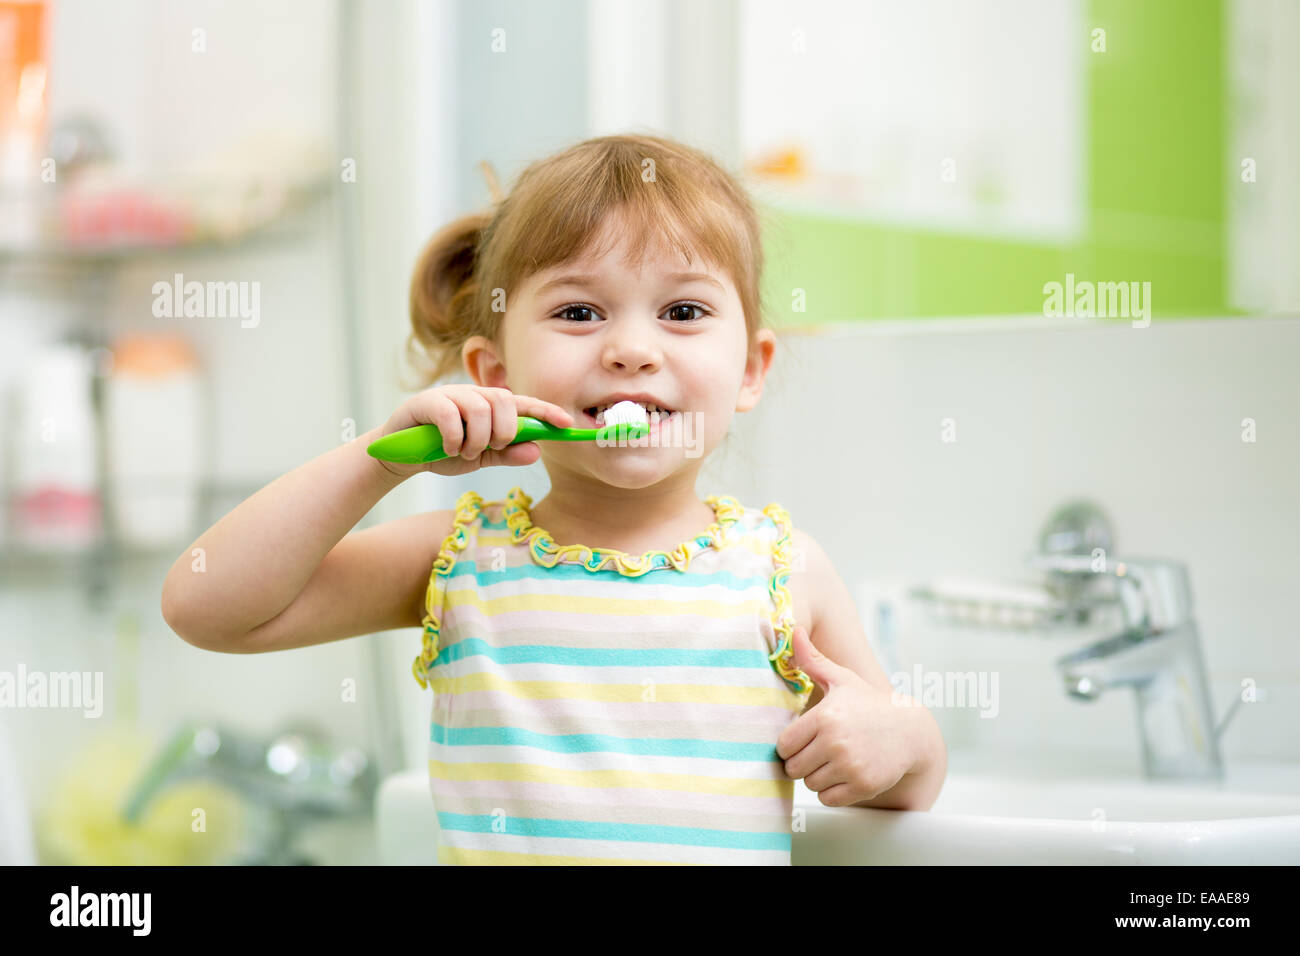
(594, 417)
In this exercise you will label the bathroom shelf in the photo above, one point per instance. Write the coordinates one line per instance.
(321, 219)
(86, 269)
(101, 567)
(291, 221)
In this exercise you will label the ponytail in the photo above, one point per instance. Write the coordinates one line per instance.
(443, 291)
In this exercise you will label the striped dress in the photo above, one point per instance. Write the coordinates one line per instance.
(596, 707)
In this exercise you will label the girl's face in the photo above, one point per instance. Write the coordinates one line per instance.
(594, 330)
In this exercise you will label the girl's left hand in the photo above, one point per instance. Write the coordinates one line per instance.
(856, 742)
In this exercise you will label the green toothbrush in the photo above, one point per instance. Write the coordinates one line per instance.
(421, 443)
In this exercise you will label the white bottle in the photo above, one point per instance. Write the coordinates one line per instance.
(56, 498)
(153, 440)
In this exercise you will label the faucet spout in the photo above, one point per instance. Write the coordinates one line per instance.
(1158, 655)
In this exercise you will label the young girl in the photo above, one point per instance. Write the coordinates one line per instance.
(618, 671)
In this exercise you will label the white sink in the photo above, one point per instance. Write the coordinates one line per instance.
(991, 812)
(1053, 816)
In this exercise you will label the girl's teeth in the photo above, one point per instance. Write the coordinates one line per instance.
(650, 409)
(664, 414)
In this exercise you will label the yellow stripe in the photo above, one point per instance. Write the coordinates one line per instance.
(619, 693)
(588, 604)
(458, 856)
(612, 779)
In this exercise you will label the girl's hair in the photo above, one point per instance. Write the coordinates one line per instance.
(664, 189)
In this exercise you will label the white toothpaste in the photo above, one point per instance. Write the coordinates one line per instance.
(625, 413)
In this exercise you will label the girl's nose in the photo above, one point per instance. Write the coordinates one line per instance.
(631, 350)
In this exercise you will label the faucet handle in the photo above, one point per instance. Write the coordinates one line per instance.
(1157, 595)
(1066, 563)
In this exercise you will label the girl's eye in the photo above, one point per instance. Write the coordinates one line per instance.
(564, 312)
(675, 311)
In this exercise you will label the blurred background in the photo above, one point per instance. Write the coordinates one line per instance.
(926, 171)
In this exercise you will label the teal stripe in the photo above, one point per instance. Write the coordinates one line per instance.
(601, 743)
(625, 832)
(466, 567)
(604, 656)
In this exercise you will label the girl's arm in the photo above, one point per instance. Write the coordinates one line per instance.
(835, 629)
(248, 571)
(277, 571)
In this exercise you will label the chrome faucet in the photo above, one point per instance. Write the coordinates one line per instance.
(295, 774)
(1158, 654)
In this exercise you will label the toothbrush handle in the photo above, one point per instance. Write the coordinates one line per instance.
(423, 443)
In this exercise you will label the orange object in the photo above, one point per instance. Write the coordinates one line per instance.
(23, 72)
(786, 164)
(152, 355)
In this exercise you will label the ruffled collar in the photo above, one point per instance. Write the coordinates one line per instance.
(726, 509)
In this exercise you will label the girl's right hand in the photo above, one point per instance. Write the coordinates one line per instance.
(490, 422)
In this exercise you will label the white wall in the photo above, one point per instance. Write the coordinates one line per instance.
(1146, 422)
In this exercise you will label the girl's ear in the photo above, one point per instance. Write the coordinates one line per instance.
(756, 369)
(483, 363)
